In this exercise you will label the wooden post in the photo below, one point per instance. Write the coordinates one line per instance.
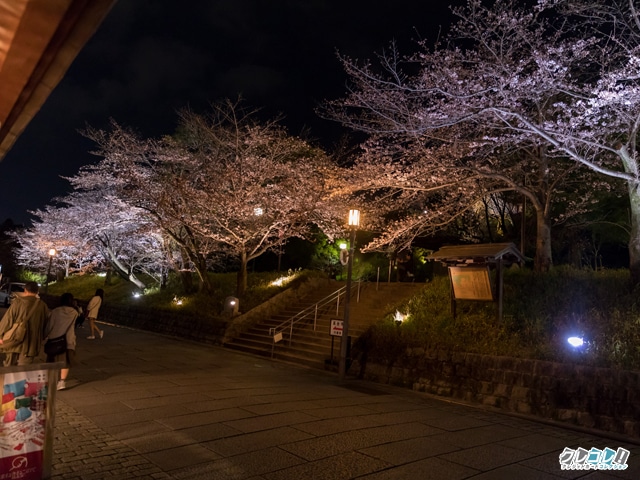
(499, 289)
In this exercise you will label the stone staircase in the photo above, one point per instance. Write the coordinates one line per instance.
(311, 342)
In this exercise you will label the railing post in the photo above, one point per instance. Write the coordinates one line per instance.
(291, 331)
(358, 298)
(338, 304)
(315, 318)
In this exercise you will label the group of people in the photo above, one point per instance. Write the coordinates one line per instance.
(28, 324)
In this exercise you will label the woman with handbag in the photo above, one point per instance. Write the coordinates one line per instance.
(61, 336)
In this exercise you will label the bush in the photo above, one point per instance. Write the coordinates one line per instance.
(260, 287)
(540, 312)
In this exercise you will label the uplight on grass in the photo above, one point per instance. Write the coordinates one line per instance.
(177, 301)
(279, 282)
(400, 317)
(575, 342)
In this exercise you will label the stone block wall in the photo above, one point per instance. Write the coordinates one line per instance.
(602, 398)
(170, 323)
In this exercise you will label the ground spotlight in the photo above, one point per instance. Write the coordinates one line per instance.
(575, 342)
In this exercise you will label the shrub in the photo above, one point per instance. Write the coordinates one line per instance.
(540, 312)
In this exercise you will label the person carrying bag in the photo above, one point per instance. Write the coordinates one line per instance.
(61, 336)
(22, 327)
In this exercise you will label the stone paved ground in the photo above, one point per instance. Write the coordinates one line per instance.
(143, 406)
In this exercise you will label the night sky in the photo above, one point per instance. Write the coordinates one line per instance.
(150, 58)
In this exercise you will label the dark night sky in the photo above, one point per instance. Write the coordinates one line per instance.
(150, 58)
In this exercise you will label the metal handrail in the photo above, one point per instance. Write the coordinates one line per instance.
(313, 309)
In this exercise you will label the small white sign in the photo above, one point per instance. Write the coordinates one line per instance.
(277, 337)
(336, 327)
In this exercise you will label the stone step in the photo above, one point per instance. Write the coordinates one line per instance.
(313, 348)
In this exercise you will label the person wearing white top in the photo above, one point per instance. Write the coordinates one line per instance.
(92, 313)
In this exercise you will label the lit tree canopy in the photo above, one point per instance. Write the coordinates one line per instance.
(516, 84)
(225, 183)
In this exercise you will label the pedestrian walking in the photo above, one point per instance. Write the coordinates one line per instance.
(61, 336)
(22, 329)
(93, 308)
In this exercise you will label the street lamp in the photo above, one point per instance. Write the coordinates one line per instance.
(354, 223)
(52, 253)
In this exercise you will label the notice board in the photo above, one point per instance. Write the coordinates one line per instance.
(471, 283)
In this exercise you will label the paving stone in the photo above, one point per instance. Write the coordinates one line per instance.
(144, 406)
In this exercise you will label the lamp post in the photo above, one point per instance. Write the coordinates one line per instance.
(52, 253)
(354, 223)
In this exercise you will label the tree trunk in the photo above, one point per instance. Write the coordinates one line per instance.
(634, 238)
(630, 166)
(241, 286)
(543, 260)
(122, 271)
(203, 275)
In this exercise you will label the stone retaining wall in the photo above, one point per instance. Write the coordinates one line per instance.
(192, 327)
(166, 322)
(601, 398)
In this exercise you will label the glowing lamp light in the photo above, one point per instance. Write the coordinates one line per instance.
(52, 252)
(258, 211)
(178, 300)
(231, 306)
(354, 218)
(343, 246)
(137, 294)
(278, 282)
(575, 342)
(400, 317)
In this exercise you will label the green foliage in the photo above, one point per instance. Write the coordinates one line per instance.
(540, 312)
(28, 276)
(121, 292)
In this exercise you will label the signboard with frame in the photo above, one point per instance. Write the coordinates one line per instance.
(336, 327)
(471, 283)
(26, 426)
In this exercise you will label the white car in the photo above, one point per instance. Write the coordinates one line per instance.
(8, 291)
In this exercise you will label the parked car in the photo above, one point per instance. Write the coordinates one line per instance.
(8, 292)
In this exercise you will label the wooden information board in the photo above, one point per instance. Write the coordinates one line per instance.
(471, 283)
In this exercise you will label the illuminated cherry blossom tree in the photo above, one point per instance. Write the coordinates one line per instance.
(90, 229)
(226, 183)
(55, 228)
(514, 92)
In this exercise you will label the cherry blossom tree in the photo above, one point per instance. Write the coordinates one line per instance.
(55, 227)
(226, 183)
(521, 93)
(89, 229)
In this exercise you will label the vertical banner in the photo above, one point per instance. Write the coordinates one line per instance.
(26, 423)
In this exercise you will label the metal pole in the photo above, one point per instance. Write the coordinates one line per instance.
(46, 285)
(342, 368)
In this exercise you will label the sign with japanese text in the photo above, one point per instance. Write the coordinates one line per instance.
(471, 283)
(336, 327)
